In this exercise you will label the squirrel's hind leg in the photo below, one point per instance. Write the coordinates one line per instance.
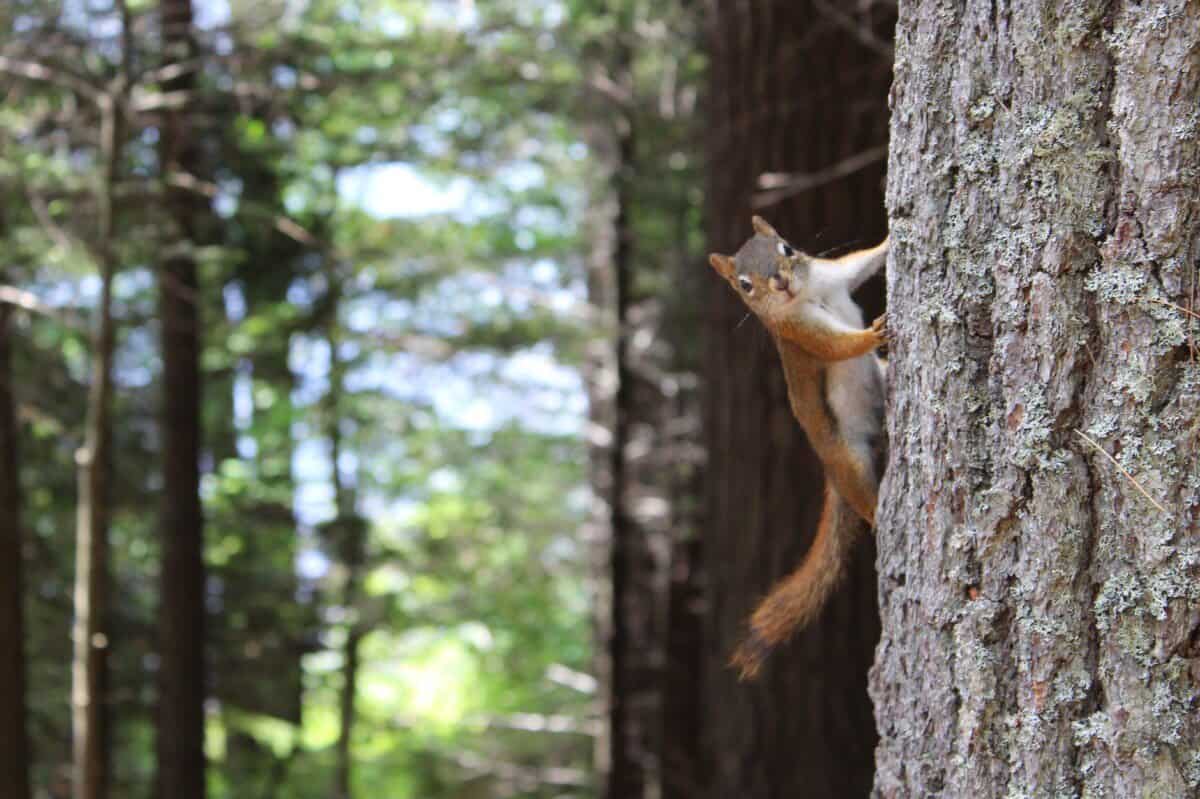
(852, 472)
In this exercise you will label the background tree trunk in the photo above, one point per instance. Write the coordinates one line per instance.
(793, 90)
(633, 701)
(181, 617)
(92, 633)
(1040, 602)
(347, 533)
(630, 602)
(14, 755)
(625, 605)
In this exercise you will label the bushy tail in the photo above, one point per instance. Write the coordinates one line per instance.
(797, 599)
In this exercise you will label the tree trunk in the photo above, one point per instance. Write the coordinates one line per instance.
(14, 755)
(92, 635)
(343, 771)
(1038, 521)
(792, 90)
(635, 639)
(630, 602)
(181, 764)
(600, 375)
(684, 767)
(348, 534)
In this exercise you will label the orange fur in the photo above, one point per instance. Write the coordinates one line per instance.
(850, 471)
(796, 599)
(856, 484)
(830, 345)
(812, 332)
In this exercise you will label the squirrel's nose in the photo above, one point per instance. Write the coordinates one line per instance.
(777, 281)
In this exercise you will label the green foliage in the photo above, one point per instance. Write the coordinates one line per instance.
(441, 350)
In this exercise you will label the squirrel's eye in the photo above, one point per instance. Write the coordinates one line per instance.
(744, 284)
(785, 249)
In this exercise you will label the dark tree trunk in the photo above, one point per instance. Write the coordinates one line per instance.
(676, 466)
(684, 767)
(630, 595)
(633, 700)
(347, 533)
(181, 764)
(1039, 532)
(343, 772)
(14, 754)
(792, 91)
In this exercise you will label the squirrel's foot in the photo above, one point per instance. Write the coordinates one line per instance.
(880, 329)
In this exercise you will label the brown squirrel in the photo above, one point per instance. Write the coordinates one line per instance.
(835, 388)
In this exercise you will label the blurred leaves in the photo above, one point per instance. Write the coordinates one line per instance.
(459, 334)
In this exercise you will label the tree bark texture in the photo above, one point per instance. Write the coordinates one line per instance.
(1038, 533)
(792, 91)
(182, 612)
(14, 755)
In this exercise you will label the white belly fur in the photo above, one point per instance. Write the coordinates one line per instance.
(853, 392)
(853, 387)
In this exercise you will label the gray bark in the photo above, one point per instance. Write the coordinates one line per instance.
(1041, 614)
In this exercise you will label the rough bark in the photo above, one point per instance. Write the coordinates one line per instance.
(1038, 528)
(181, 766)
(791, 91)
(14, 755)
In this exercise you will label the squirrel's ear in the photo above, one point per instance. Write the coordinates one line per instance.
(722, 263)
(761, 226)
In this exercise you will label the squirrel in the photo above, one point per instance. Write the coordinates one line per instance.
(835, 389)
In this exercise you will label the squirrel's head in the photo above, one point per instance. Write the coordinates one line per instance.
(767, 272)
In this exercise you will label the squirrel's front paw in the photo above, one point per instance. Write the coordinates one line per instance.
(880, 329)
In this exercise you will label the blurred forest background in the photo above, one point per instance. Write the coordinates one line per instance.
(370, 423)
